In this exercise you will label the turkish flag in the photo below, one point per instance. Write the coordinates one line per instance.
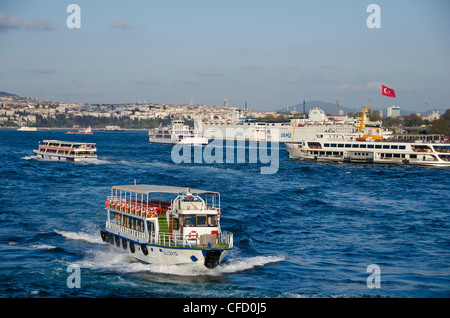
(386, 91)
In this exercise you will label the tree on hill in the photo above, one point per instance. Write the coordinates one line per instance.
(441, 125)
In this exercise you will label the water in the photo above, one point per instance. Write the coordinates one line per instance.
(310, 230)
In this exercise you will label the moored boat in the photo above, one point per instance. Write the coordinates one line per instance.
(356, 148)
(177, 133)
(167, 225)
(66, 150)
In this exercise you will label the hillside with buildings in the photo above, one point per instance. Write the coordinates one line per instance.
(18, 111)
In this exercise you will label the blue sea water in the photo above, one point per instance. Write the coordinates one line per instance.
(310, 230)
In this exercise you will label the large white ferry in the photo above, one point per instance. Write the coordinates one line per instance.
(167, 225)
(177, 133)
(241, 128)
(356, 148)
(66, 150)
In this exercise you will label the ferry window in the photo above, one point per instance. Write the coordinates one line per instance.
(362, 146)
(211, 220)
(333, 145)
(201, 220)
(189, 220)
(341, 145)
(370, 146)
(355, 146)
(378, 146)
(394, 147)
(385, 146)
(413, 156)
(326, 145)
(150, 227)
(348, 145)
(402, 147)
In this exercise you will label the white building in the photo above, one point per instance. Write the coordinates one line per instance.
(393, 111)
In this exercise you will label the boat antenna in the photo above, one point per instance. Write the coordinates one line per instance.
(304, 110)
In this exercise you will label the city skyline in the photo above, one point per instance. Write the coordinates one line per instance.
(269, 54)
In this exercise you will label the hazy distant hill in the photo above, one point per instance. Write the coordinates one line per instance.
(5, 94)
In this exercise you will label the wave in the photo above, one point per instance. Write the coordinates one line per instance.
(44, 246)
(91, 238)
(123, 262)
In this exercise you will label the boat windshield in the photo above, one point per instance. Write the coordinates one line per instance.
(199, 220)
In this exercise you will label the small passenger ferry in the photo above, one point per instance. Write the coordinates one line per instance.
(87, 131)
(177, 133)
(66, 150)
(167, 225)
(356, 148)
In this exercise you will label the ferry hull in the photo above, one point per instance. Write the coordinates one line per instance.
(163, 255)
(61, 157)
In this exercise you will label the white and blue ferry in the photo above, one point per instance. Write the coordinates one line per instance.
(167, 225)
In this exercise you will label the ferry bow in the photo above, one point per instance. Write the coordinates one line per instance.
(167, 225)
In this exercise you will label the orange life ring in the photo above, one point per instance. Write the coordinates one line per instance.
(192, 233)
(132, 209)
(138, 210)
(107, 203)
(126, 208)
(218, 210)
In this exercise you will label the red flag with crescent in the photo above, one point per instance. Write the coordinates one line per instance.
(386, 91)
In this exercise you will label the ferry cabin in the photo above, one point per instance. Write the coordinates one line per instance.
(167, 225)
(66, 150)
(329, 147)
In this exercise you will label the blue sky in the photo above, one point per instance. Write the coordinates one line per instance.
(271, 54)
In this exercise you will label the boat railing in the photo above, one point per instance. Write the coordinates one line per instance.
(139, 208)
(176, 240)
(126, 230)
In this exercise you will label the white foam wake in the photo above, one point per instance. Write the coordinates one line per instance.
(88, 237)
(123, 262)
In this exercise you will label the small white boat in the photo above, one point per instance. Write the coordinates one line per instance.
(66, 150)
(24, 128)
(167, 225)
(177, 133)
(86, 131)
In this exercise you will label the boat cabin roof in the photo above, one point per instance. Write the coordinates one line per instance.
(148, 188)
(68, 142)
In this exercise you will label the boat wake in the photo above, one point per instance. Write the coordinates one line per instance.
(112, 259)
(91, 238)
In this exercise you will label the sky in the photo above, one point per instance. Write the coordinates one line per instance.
(270, 54)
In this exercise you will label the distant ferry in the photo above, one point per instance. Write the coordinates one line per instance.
(356, 148)
(177, 133)
(66, 150)
(167, 225)
(239, 128)
(27, 128)
(86, 131)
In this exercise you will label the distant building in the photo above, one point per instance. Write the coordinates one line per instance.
(226, 102)
(393, 111)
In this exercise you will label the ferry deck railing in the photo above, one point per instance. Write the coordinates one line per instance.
(225, 239)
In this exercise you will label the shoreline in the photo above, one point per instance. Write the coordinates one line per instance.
(97, 129)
